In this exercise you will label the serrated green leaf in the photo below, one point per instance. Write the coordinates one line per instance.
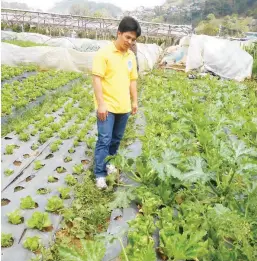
(123, 198)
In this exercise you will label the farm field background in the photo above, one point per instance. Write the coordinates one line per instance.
(188, 167)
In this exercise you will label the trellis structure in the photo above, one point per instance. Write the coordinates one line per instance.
(101, 26)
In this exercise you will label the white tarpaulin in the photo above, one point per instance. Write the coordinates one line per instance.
(33, 37)
(7, 36)
(68, 59)
(45, 57)
(174, 57)
(223, 57)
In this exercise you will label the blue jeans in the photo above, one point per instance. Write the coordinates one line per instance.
(110, 133)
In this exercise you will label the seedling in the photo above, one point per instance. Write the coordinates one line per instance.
(34, 132)
(32, 243)
(38, 165)
(8, 172)
(70, 180)
(52, 179)
(68, 159)
(64, 135)
(55, 145)
(9, 149)
(15, 217)
(39, 220)
(24, 136)
(27, 203)
(91, 142)
(64, 192)
(43, 191)
(75, 143)
(71, 150)
(54, 204)
(78, 169)
(60, 170)
(34, 146)
(6, 240)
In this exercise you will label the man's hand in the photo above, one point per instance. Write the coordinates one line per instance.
(102, 112)
(134, 108)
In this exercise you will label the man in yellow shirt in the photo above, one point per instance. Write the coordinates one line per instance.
(114, 81)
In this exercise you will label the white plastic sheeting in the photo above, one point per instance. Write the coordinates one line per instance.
(45, 57)
(33, 37)
(223, 57)
(68, 59)
(175, 57)
(148, 55)
(7, 36)
(83, 45)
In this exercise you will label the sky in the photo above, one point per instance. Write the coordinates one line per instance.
(123, 4)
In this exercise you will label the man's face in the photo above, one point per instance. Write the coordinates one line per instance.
(127, 39)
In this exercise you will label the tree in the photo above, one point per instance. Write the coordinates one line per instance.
(80, 9)
(207, 28)
(211, 17)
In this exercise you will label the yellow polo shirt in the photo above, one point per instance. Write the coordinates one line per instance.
(116, 70)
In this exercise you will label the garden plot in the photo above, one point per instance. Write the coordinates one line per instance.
(197, 171)
(29, 137)
(123, 213)
(10, 73)
(18, 94)
(191, 172)
(56, 151)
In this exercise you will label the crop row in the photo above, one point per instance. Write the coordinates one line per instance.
(197, 171)
(73, 108)
(8, 72)
(17, 94)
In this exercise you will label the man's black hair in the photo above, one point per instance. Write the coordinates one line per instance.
(129, 24)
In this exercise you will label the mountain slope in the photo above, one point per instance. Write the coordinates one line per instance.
(83, 7)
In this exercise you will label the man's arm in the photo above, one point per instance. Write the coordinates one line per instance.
(133, 86)
(102, 112)
(133, 94)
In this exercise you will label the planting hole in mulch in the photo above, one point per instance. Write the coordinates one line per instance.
(17, 163)
(26, 156)
(85, 162)
(118, 217)
(43, 191)
(29, 178)
(67, 159)
(160, 254)
(48, 229)
(89, 153)
(5, 201)
(71, 151)
(49, 156)
(68, 197)
(7, 138)
(22, 220)
(55, 180)
(60, 170)
(18, 188)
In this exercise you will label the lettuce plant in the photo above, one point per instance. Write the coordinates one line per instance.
(54, 204)
(32, 243)
(15, 217)
(39, 220)
(27, 203)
